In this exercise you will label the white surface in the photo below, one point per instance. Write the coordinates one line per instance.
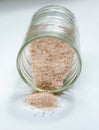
(82, 100)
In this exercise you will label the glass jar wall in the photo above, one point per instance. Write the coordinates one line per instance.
(51, 22)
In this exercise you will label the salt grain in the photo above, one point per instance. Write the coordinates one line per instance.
(51, 60)
(42, 100)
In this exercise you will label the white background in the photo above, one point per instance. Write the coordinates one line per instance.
(15, 17)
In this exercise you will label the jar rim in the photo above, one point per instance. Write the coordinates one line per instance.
(66, 41)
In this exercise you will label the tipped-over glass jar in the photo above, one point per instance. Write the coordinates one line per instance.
(49, 56)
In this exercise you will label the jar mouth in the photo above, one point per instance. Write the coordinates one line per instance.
(26, 74)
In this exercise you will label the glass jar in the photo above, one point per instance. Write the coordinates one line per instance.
(56, 22)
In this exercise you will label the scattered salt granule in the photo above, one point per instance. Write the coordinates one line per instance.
(51, 60)
(42, 100)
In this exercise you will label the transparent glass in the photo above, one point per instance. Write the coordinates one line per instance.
(56, 22)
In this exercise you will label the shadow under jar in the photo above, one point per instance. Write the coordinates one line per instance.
(49, 59)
